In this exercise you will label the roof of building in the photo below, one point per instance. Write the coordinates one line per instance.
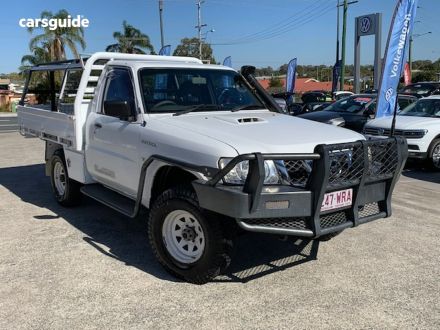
(302, 84)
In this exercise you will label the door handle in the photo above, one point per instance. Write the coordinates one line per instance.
(98, 125)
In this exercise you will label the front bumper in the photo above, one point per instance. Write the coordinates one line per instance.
(371, 170)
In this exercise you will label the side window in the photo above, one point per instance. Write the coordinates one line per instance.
(119, 87)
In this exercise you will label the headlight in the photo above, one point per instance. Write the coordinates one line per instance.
(239, 173)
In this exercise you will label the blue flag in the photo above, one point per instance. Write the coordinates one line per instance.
(227, 61)
(165, 50)
(291, 76)
(398, 38)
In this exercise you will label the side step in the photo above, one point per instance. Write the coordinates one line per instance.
(110, 198)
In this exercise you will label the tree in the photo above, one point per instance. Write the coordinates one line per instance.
(131, 41)
(57, 40)
(267, 71)
(275, 82)
(190, 47)
(39, 55)
(423, 76)
(283, 68)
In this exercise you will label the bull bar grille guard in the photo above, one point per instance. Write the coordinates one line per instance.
(370, 168)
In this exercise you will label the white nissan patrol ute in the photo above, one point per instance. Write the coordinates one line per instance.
(205, 150)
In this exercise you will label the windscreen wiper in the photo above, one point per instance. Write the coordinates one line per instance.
(194, 108)
(248, 107)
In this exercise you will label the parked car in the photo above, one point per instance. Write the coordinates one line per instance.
(339, 95)
(354, 111)
(419, 123)
(206, 151)
(422, 89)
(370, 91)
(315, 99)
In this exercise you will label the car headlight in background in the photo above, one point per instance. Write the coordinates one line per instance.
(239, 173)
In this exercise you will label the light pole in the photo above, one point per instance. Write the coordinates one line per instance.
(161, 23)
(410, 47)
(200, 25)
(337, 30)
(344, 35)
(205, 35)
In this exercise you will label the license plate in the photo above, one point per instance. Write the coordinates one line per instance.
(337, 200)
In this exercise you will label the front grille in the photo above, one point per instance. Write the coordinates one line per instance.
(333, 219)
(284, 223)
(298, 172)
(346, 166)
(409, 134)
(368, 209)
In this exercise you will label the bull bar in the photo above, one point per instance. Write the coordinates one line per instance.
(370, 168)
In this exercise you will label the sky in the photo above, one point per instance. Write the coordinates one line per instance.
(255, 32)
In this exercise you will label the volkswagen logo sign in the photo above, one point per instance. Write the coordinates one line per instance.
(381, 131)
(389, 93)
(365, 24)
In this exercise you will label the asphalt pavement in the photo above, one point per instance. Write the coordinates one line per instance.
(91, 268)
(8, 123)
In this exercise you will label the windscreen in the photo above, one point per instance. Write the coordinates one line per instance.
(423, 108)
(350, 104)
(419, 89)
(175, 90)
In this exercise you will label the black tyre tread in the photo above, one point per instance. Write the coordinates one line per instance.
(222, 258)
(430, 151)
(72, 196)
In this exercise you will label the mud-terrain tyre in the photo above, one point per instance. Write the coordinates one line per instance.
(66, 191)
(187, 241)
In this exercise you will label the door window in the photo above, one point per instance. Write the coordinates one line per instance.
(119, 87)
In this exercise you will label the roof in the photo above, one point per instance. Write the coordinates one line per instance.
(303, 84)
(5, 81)
(138, 64)
(77, 63)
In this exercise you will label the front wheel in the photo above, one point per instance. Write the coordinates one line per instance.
(187, 241)
(434, 155)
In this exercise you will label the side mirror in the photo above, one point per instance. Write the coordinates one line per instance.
(123, 110)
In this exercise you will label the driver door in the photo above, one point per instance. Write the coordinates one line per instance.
(112, 150)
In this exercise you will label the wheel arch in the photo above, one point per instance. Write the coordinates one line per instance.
(168, 176)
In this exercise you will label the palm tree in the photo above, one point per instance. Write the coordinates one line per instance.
(130, 40)
(39, 55)
(57, 40)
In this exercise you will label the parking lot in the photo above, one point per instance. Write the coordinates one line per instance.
(89, 267)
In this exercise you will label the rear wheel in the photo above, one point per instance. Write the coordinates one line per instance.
(434, 155)
(66, 191)
(187, 241)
